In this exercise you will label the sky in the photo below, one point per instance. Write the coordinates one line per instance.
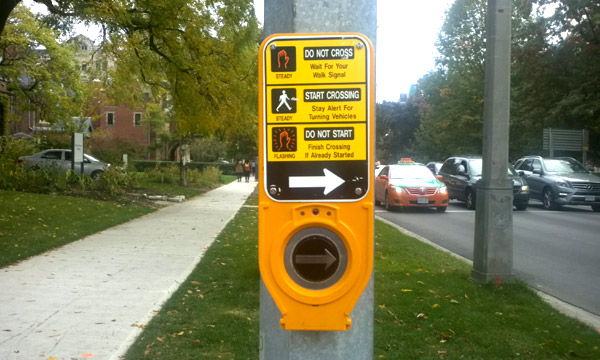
(406, 34)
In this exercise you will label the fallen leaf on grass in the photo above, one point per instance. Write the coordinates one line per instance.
(195, 283)
(454, 301)
(421, 316)
(160, 339)
(181, 333)
(406, 290)
(498, 313)
(435, 306)
(420, 282)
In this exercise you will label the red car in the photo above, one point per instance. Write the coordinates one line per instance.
(408, 184)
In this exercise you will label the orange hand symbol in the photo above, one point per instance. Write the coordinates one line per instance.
(280, 56)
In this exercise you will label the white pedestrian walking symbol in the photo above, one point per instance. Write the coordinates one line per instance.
(283, 100)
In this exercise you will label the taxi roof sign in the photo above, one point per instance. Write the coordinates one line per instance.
(317, 97)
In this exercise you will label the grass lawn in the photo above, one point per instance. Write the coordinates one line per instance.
(31, 224)
(425, 308)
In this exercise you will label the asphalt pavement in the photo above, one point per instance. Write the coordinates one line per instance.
(90, 299)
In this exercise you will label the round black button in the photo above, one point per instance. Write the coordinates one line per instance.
(315, 258)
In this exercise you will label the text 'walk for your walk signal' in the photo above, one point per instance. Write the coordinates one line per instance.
(316, 160)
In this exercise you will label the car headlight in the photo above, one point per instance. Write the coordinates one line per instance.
(525, 188)
(398, 189)
(561, 183)
(443, 190)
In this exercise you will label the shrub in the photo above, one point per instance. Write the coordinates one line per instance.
(114, 182)
(10, 151)
(207, 177)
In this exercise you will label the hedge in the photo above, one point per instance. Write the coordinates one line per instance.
(143, 165)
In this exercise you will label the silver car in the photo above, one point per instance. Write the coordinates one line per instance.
(61, 159)
(560, 181)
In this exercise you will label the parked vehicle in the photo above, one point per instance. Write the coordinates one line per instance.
(560, 181)
(61, 159)
(408, 184)
(434, 166)
(461, 174)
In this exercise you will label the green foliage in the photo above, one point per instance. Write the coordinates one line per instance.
(553, 77)
(46, 81)
(110, 149)
(148, 165)
(114, 182)
(171, 175)
(4, 114)
(396, 124)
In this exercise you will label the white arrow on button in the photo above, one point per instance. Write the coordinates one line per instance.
(330, 181)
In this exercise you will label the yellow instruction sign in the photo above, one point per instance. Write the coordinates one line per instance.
(316, 99)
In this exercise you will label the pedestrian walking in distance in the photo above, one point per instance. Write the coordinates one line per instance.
(239, 170)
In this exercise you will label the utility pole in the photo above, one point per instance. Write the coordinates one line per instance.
(493, 250)
(310, 16)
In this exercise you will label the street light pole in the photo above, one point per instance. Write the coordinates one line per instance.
(493, 248)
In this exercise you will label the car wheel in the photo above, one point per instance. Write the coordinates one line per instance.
(386, 202)
(441, 209)
(596, 208)
(548, 199)
(96, 175)
(522, 206)
(470, 199)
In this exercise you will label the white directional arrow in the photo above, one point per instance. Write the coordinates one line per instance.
(330, 181)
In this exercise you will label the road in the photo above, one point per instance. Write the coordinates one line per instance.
(557, 252)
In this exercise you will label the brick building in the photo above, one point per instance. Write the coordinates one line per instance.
(115, 121)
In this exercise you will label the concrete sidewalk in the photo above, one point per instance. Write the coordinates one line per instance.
(87, 299)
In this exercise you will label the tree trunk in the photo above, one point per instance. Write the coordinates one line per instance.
(5, 9)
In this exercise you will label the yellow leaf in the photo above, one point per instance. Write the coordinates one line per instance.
(52, 358)
(407, 274)
(181, 333)
(160, 339)
(420, 282)
(406, 290)
(578, 341)
(382, 306)
(435, 306)
(431, 292)
(498, 314)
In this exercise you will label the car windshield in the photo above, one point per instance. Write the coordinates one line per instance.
(410, 172)
(476, 168)
(563, 166)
